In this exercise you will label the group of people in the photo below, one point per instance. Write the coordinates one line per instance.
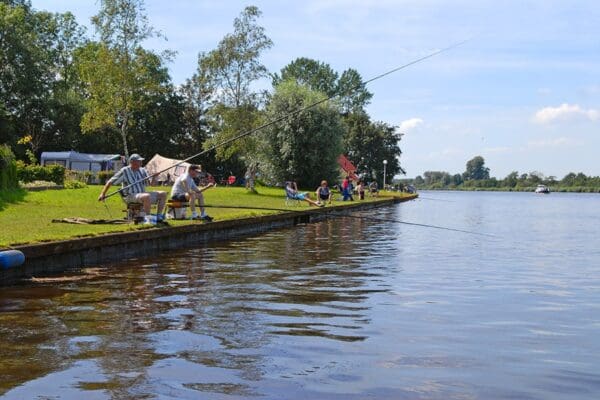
(325, 195)
(186, 188)
(134, 179)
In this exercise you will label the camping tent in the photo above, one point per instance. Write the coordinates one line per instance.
(81, 161)
(167, 169)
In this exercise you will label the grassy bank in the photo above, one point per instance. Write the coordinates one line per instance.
(28, 217)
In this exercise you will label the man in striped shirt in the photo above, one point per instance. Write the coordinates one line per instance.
(133, 179)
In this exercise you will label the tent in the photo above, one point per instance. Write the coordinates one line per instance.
(81, 161)
(167, 169)
(347, 167)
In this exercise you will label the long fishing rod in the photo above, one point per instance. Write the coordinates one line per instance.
(291, 114)
(359, 217)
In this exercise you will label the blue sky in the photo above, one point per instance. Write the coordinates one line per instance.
(523, 92)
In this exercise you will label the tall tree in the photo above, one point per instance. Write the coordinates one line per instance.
(232, 68)
(303, 148)
(352, 92)
(35, 61)
(314, 74)
(113, 71)
(476, 169)
(348, 87)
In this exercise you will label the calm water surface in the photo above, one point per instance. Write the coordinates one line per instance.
(344, 309)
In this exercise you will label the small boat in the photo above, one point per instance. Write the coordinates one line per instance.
(542, 189)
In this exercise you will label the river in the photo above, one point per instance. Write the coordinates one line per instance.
(348, 308)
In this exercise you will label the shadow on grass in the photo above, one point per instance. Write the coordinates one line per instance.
(11, 196)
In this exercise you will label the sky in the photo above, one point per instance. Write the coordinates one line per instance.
(523, 92)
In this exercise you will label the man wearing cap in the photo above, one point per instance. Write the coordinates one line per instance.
(133, 178)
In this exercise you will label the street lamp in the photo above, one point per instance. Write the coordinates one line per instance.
(384, 165)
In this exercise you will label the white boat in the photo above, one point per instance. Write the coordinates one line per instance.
(542, 189)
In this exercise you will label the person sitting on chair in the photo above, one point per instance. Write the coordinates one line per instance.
(133, 178)
(185, 189)
(373, 189)
(323, 193)
(291, 191)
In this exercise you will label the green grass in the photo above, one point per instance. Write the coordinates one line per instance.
(27, 217)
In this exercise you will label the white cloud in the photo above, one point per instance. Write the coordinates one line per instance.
(564, 112)
(409, 124)
(554, 142)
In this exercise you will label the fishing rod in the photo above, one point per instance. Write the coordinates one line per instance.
(359, 217)
(291, 114)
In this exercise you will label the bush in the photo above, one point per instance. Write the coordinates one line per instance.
(8, 169)
(103, 176)
(30, 173)
(73, 184)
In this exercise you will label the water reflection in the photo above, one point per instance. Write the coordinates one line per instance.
(344, 309)
(199, 320)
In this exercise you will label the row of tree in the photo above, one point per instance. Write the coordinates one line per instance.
(477, 175)
(60, 89)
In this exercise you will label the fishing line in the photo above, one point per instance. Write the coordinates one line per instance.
(293, 113)
(360, 217)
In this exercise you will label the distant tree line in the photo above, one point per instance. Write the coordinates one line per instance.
(477, 177)
(61, 89)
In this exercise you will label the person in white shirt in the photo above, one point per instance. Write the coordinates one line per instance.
(185, 189)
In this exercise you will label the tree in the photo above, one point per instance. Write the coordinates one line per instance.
(36, 75)
(304, 147)
(352, 92)
(114, 71)
(368, 143)
(511, 179)
(231, 69)
(476, 169)
(316, 75)
(349, 88)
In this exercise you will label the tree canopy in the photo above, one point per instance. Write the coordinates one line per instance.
(476, 169)
(303, 148)
(61, 89)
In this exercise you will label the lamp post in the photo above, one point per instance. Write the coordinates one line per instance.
(384, 165)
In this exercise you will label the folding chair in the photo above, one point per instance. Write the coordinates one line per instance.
(290, 198)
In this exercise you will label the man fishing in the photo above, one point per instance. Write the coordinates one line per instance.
(133, 179)
(185, 189)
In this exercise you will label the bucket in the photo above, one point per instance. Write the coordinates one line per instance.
(177, 213)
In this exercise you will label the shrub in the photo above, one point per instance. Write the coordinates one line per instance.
(8, 169)
(30, 173)
(73, 184)
(103, 176)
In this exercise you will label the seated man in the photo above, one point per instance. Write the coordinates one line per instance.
(185, 189)
(291, 191)
(323, 193)
(133, 179)
(373, 189)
